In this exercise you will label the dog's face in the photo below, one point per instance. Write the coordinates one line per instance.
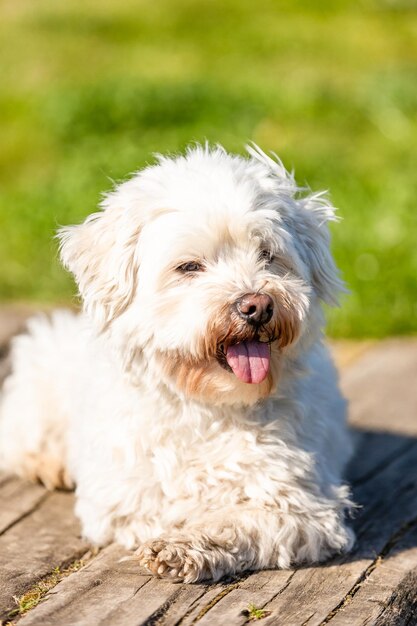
(207, 268)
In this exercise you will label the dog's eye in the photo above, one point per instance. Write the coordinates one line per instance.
(266, 255)
(191, 266)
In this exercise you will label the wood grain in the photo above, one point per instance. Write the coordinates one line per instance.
(18, 498)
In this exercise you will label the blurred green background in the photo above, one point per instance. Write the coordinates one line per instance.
(89, 89)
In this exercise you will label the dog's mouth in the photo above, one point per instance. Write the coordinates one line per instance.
(248, 360)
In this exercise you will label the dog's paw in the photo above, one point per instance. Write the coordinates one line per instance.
(176, 561)
(46, 468)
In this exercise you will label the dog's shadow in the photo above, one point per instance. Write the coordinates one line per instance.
(383, 478)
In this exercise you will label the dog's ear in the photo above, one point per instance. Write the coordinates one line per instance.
(312, 227)
(101, 253)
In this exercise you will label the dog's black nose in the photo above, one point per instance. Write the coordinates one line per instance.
(255, 308)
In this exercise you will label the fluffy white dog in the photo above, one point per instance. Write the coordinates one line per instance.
(193, 404)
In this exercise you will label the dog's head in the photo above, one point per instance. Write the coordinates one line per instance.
(207, 269)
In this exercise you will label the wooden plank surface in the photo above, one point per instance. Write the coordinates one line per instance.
(18, 498)
(35, 544)
(373, 585)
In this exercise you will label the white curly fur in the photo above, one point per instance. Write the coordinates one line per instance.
(172, 454)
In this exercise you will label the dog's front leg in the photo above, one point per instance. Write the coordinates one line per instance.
(237, 539)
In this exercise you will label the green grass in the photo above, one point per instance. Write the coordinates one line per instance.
(32, 597)
(253, 613)
(90, 89)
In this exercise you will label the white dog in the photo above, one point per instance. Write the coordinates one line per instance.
(194, 404)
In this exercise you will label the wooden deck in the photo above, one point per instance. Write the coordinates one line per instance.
(41, 548)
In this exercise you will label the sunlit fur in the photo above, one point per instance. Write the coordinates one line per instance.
(133, 401)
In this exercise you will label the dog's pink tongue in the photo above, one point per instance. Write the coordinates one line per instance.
(249, 360)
